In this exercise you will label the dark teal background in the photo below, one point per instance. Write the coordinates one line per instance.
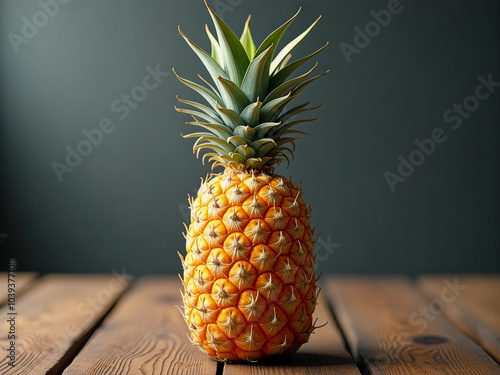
(122, 207)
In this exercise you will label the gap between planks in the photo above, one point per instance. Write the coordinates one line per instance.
(55, 317)
(144, 334)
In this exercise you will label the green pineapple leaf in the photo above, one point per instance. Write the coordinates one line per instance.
(302, 86)
(233, 54)
(279, 132)
(286, 71)
(230, 117)
(257, 163)
(210, 141)
(208, 95)
(275, 36)
(238, 140)
(209, 111)
(288, 86)
(215, 48)
(244, 131)
(247, 41)
(297, 110)
(237, 158)
(232, 95)
(245, 150)
(289, 47)
(211, 65)
(263, 128)
(256, 80)
(219, 130)
(271, 110)
(263, 146)
(251, 113)
(202, 115)
(217, 149)
(273, 39)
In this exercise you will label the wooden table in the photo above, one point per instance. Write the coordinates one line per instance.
(117, 324)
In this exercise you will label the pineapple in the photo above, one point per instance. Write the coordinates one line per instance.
(249, 284)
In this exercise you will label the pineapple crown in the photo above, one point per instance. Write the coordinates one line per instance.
(246, 123)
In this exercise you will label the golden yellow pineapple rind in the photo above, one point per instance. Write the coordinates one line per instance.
(249, 284)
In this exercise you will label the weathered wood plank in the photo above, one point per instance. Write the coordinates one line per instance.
(391, 329)
(53, 318)
(325, 353)
(475, 308)
(144, 334)
(23, 280)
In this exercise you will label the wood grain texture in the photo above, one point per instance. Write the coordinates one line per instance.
(144, 334)
(391, 329)
(53, 319)
(23, 280)
(325, 353)
(475, 309)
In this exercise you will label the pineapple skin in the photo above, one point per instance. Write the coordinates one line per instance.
(249, 284)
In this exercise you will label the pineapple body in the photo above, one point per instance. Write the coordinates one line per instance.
(250, 290)
(249, 284)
